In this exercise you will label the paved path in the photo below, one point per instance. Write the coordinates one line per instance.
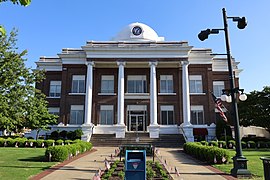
(86, 166)
(187, 167)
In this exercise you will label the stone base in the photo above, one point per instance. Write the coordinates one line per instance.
(153, 131)
(188, 132)
(87, 130)
(120, 131)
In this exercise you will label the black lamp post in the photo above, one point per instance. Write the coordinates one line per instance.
(239, 161)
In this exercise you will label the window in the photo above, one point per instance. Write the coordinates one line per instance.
(78, 84)
(106, 114)
(197, 115)
(217, 88)
(136, 84)
(54, 110)
(76, 114)
(55, 89)
(195, 84)
(167, 115)
(166, 84)
(107, 84)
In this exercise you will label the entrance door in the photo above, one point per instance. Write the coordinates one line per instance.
(137, 122)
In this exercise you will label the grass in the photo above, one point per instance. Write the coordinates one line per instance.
(255, 165)
(21, 163)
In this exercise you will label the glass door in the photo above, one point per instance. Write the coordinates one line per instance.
(136, 122)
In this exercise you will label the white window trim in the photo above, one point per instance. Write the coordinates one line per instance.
(78, 77)
(53, 109)
(108, 78)
(55, 83)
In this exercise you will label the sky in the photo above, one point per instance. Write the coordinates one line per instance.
(45, 27)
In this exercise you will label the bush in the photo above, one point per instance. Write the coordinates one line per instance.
(30, 142)
(231, 144)
(78, 134)
(63, 134)
(207, 153)
(58, 153)
(10, 142)
(251, 144)
(39, 143)
(222, 144)
(55, 135)
(244, 144)
(49, 142)
(59, 142)
(61, 153)
(262, 144)
(205, 143)
(68, 142)
(2, 142)
(20, 142)
(213, 143)
(70, 135)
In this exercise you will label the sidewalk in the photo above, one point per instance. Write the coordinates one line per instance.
(85, 167)
(187, 167)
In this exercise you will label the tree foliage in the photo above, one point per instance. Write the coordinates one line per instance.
(18, 97)
(256, 109)
(21, 2)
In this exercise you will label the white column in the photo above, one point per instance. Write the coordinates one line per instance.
(88, 94)
(121, 93)
(153, 93)
(186, 98)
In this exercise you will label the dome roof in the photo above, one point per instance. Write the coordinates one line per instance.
(137, 32)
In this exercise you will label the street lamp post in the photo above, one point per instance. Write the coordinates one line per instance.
(239, 161)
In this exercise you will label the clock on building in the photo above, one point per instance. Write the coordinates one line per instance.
(137, 30)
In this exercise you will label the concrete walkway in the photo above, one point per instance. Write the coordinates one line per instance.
(173, 158)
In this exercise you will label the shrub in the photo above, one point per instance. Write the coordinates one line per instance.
(231, 144)
(10, 142)
(58, 153)
(213, 143)
(63, 134)
(49, 142)
(68, 141)
(39, 143)
(70, 135)
(78, 134)
(55, 135)
(222, 144)
(2, 142)
(262, 144)
(205, 143)
(59, 142)
(244, 144)
(30, 142)
(207, 153)
(251, 144)
(20, 141)
(66, 150)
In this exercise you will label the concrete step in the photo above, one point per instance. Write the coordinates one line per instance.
(168, 140)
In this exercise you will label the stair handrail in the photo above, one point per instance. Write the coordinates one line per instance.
(183, 132)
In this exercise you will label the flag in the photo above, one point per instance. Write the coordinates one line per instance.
(219, 106)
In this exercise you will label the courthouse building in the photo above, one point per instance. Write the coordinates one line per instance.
(136, 82)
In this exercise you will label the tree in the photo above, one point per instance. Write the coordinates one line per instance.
(37, 117)
(256, 109)
(17, 89)
(21, 2)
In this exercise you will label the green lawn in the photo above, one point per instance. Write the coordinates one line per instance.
(255, 165)
(21, 163)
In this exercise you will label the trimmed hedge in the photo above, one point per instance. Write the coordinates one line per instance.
(211, 154)
(60, 153)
